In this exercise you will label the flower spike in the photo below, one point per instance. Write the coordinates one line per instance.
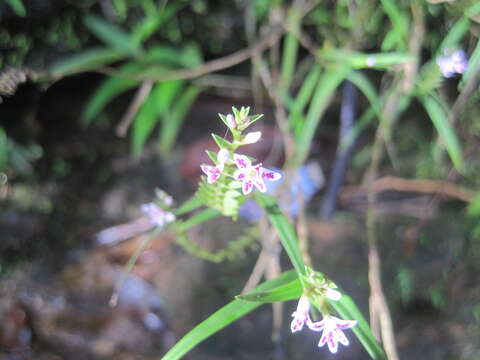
(252, 175)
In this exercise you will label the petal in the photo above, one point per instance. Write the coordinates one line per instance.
(252, 137)
(212, 172)
(169, 217)
(242, 161)
(223, 155)
(332, 343)
(340, 336)
(323, 339)
(316, 326)
(259, 184)
(247, 187)
(333, 294)
(239, 174)
(297, 324)
(346, 324)
(270, 175)
(231, 121)
(303, 306)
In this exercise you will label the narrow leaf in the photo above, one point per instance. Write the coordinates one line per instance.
(18, 7)
(289, 291)
(221, 142)
(284, 229)
(86, 60)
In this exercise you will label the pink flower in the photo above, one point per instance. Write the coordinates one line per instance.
(213, 172)
(157, 215)
(251, 175)
(332, 331)
(301, 315)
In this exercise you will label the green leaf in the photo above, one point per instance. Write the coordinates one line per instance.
(473, 66)
(290, 49)
(284, 228)
(112, 35)
(347, 309)
(174, 119)
(191, 204)
(221, 142)
(199, 218)
(289, 291)
(109, 88)
(399, 21)
(440, 121)
(86, 60)
(3, 150)
(221, 318)
(323, 93)
(456, 33)
(18, 7)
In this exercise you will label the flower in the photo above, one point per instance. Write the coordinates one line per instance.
(213, 172)
(301, 315)
(454, 63)
(332, 331)
(333, 294)
(252, 137)
(157, 215)
(252, 175)
(231, 121)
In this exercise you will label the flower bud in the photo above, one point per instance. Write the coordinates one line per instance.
(231, 121)
(252, 137)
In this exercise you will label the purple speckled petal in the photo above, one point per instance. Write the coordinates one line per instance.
(241, 161)
(345, 324)
(332, 343)
(340, 336)
(247, 187)
(212, 172)
(270, 175)
(239, 174)
(259, 184)
(316, 326)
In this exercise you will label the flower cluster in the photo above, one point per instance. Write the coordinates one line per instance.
(330, 325)
(248, 176)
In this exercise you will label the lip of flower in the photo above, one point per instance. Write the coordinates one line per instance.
(214, 172)
(301, 315)
(332, 331)
(252, 175)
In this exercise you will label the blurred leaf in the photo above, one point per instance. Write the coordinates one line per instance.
(221, 142)
(473, 66)
(112, 35)
(359, 60)
(86, 60)
(285, 230)
(473, 209)
(18, 7)
(221, 318)
(109, 88)
(189, 56)
(197, 219)
(329, 82)
(440, 120)
(290, 49)
(3, 150)
(174, 119)
(155, 106)
(455, 34)
(120, 7)
(347, 309)
(399, 21)
(289, 291)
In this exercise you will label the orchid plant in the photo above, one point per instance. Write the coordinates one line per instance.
(229, 180)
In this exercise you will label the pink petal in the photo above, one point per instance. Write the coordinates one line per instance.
(241, 161)
(332, 343)
(323, 339)
(316, 326)
(346, 324)
(270, 175)
(247, 187)
(296, 325)
(340, 336)
(260, 185)
(239, 174)
(212, 172)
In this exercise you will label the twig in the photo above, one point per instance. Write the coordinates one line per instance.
(413, 185)
(137, 101)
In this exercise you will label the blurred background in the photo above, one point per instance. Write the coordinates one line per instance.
(101, 101)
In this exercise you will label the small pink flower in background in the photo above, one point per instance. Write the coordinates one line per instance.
(332, 331)
(252, 175)
(157, 215)
(301, 315)
(252, 137)
(213, 172)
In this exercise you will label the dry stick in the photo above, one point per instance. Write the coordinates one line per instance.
(137, 101)
(413, 185)
(380, 317)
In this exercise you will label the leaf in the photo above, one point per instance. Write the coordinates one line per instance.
(174, 119)
(18, 7)
(473, 66)
(284, 228)
(3, 150)
(221, 318)
(399, 21)
(440, 121)
(199, 218)
(324, 91)
(86, 60)
(289, 291)
(347, 309)
(221, 142)
(290, 49)
(456, 33)
(112, 35)
(109, 88)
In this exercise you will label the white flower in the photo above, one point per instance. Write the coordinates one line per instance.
(332, 331)
(213, 172)
(301, 315)
(454, 63)
(252, 175)
(157, 215)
